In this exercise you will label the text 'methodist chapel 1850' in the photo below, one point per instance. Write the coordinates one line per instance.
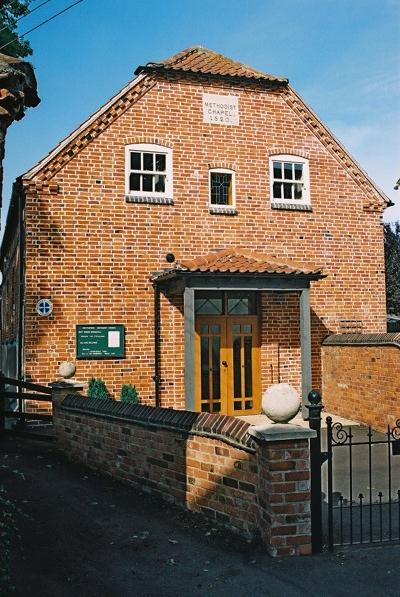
(198, 236)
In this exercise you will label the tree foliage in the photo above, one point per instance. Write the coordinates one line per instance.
(392, 267)
(10, 11)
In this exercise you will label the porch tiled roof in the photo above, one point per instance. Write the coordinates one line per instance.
(201, 60)
(247, 261)
(240, 260)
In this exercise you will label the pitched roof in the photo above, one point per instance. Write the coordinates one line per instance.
(200, 60)
(244, 261)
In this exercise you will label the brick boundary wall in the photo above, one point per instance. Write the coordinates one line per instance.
(206, 463)
(361, 379)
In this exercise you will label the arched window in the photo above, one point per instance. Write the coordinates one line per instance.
(289, 180)
(148, 172)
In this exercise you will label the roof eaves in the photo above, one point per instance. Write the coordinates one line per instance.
(175, 272)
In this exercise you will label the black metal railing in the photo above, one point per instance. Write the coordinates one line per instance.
(356, 498)
(363, 485)
(26, 391)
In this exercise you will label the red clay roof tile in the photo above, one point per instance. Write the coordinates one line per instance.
(237, 259)
(204, 61)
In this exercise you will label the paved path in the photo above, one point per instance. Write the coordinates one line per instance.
(84, 535)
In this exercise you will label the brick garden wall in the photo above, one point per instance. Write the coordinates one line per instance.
(206, 463)
(361, 381)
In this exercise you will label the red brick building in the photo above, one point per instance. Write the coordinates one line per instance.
(207, 210)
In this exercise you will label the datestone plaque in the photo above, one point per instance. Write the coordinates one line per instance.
(220, 109)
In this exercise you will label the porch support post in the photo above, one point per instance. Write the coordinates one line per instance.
(305, 345)
(188, 312)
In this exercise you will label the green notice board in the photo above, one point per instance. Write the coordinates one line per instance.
(100, 341)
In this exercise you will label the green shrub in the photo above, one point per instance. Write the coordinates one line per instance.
(97, 389)
(129, 394)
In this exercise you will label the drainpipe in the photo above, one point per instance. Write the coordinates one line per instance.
(157, 377)
(21, 298)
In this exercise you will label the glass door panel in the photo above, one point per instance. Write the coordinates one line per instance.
(210, 379)
(248, 365)
(243, 360)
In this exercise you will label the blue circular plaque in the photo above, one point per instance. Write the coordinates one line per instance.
(44, 307)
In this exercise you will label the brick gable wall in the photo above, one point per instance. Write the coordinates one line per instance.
(92, 252)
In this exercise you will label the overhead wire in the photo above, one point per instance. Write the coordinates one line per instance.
(28, 13)
(41, 24)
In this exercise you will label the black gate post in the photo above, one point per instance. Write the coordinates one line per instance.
(314, 419)
(330, 482)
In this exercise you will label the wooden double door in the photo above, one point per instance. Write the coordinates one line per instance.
(227, 369)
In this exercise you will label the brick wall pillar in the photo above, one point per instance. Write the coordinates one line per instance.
(284, 488)
(60, 389)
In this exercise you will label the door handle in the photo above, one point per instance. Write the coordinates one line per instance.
(224, 363)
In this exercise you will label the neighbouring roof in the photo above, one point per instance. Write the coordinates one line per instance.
(243, 261)
(18, 86)
(201, 60)
(389, 338)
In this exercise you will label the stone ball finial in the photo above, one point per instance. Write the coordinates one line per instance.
(281, 402)
(66, 369)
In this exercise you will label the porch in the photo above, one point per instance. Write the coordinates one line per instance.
(225, 312)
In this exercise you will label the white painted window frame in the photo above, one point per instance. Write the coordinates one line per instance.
(294, 159)
(149, 148)
(214, 206)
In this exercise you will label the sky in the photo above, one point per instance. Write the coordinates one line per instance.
(341, 56)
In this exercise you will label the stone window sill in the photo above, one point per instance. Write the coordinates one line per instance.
(222, 210)
(292, 206)
(144, 199)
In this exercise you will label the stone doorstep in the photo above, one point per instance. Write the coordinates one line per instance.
(298, 420)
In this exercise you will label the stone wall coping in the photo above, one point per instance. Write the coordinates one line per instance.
(384, 339)
(230, 430)
(63, 384)
(275, 432)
